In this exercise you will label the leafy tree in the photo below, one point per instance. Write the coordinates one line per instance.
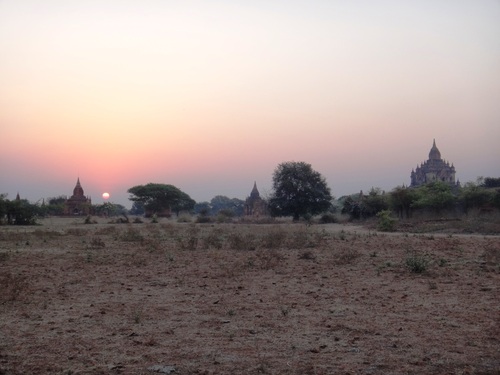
(185, 203)
(137, 208)
(3, 207)
(374, 202)
(56, 205)
(298, 191)
(401, 200)
(19, 212)
(202, 208)
(435, 196)
(491, 182)
(474, 196)
(109, 209)
(158, 198)
(223, 203)
(352, 206)
(496, 199)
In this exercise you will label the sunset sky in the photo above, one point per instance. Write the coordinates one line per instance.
(211, 96)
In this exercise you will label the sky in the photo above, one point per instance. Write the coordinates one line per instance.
(210, 96)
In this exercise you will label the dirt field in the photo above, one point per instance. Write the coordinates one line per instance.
(246, 299)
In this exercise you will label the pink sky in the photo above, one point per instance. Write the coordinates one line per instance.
(211, 98)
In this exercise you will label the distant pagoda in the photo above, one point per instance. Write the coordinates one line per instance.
(254, 204)
(78, 203)
(434, 169)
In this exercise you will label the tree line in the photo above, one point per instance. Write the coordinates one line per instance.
(298, 191)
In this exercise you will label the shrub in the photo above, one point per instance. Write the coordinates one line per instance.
(386, 223)
(346, 256)
(328, 218)
(274, 239)
(184, 218)
(132, 235)
(190, 240)
(269, 259)
(238, 241)
(417, 263)
(97, 243)
(203, 219)
(213, 239)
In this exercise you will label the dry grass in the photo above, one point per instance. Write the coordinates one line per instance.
(225, 298)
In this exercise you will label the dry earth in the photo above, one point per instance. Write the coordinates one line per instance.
(245, 299)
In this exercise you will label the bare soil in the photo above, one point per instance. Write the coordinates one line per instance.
(246, 299)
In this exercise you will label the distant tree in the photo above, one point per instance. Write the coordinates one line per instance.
(137, 208)
(55, 205)
(203, 208)
(21, 212)
(374, 202)
(298, 191)
(158, 198)
(401, 200)
(109, 209)
(352, 205)
(185, 203)
(491, 182)
(3, 208)
(474, 196)
(496, 199)
(435, 196)
(221, 202)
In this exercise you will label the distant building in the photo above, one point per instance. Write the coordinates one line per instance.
(254, 204)
(434, 169)
(78, 203)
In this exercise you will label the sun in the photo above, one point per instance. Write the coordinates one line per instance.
(105, 195)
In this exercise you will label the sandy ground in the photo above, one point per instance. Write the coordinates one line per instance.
(245, 299)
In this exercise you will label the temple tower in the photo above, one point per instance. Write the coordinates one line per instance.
(434, 169)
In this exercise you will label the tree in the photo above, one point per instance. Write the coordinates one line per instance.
(159, 199)
(374, 202)
(185, 203)
(435, 196)
(202, 208)
(18, 212)
(402, 199)
(223, 203)
(491, 182)
(298, 191)
(474, 196)
(109, 209)
(137, 208)
(56, 205)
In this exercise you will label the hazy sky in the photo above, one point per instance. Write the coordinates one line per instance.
(211, 96)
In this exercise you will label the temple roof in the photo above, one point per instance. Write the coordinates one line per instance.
(78, 190)
(255, 192)
(434, 154)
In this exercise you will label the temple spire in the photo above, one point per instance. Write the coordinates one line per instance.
(434, 154)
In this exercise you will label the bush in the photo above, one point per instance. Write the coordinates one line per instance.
(238, 241)
(184, 218)
(417, 263)
(191, 238)
(202, 219)
(274, 239)
(214, 239)
(385, 222)
(328, 218)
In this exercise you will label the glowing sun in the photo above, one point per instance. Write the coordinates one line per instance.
(105, 195)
